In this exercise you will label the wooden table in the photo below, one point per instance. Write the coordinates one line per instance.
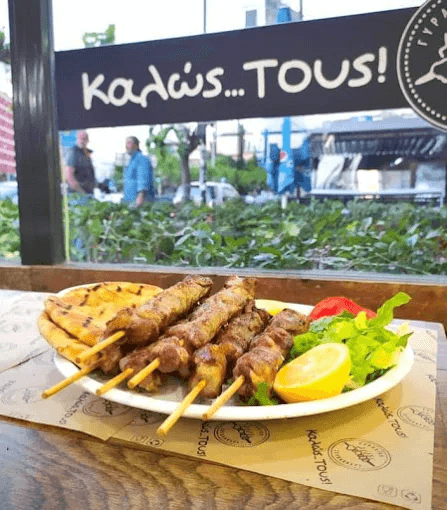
(50, 468)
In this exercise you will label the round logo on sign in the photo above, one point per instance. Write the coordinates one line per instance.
(422, 62)
(283, 156)
(359, 454)
(241, 434)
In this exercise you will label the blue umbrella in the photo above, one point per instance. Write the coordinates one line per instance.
(286, 170)
(284, 15)
(271, 166)
(301, 157)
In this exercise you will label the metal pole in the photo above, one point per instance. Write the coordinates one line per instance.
(214, 145)
(202, 172)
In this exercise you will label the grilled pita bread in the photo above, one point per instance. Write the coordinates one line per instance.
(84, 327)
(65, 344)
(103, 300)
(75, 321)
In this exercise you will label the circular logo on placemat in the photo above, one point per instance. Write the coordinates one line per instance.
(422, 63)
(424, 356)
(147, 418)
(104, 408)
(359, 454)
(22, 396)
(17, 326)
(241, 434)
(7, 346)
(418, 416)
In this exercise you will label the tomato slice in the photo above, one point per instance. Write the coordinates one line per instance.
(336, 305)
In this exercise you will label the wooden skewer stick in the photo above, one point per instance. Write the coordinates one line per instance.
(112, 383)
(100, 346)
(223, 398)
(171, 420)
(69, 380)
(142, 374)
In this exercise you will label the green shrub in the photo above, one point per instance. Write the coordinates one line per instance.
(9, 230)
(362, 236)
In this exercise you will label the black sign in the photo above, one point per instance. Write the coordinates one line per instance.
(324, 66)
(422, 62)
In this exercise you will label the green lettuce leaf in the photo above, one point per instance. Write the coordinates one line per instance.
(385, 312)
(262, 396)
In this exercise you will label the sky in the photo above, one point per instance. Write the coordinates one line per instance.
(144, 20)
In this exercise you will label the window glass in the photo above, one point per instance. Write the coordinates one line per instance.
(9, 215)
(366, 210)
(251, 18)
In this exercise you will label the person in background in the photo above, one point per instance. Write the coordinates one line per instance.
(138, 179)
(79, 167)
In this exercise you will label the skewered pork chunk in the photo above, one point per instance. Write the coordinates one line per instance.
(175, 347)
(144, 323)
(268, 351)
(213, 361)
(147, 322)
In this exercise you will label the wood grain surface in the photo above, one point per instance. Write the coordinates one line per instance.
(429, 293)
(49, 468)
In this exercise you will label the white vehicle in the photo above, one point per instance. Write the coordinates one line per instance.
(216, 193)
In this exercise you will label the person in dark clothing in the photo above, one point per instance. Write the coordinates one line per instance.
(79, 167)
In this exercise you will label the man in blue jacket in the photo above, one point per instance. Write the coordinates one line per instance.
(138, 179)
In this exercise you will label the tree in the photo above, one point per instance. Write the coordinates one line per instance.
(92, 39)
(188, 141)
(5, 51)
(167, 170)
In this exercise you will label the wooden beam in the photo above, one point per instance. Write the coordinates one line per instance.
(429, 294)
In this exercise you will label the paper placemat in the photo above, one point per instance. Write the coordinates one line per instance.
(380, 450)
(73, 408)
(19, 338)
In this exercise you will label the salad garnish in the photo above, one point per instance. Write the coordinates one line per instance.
(373, 349)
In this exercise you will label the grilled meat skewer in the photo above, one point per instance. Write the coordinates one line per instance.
(174, 348)
(148, 321)
(144, 324)
(213, 361)
(268, 351)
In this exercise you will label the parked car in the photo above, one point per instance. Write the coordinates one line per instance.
(216, 193)
(262, 198)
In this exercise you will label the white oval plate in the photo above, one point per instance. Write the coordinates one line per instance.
(171, 393)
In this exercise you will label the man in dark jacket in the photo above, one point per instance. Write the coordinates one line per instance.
(79, 168)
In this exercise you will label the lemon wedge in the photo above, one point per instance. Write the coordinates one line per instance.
(321, 372)
(270, 305)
